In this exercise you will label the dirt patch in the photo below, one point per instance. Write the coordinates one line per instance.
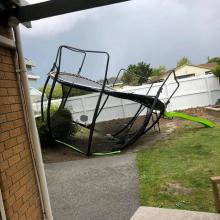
(59, 153)
(104, 142)
(177, 189)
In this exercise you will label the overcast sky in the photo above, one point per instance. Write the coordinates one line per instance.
(154, 31)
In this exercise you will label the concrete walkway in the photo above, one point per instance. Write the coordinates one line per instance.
(149, 213)
(94, 189)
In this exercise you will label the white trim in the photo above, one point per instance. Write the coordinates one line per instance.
(6, 42)
(2, 209)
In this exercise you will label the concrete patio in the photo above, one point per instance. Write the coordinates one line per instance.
(151, 213)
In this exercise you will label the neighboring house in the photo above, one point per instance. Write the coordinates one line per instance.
(35, 94)
(32, 78)
(187, 71)
(112, 83)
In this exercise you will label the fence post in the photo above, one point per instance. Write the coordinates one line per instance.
(208, 91)
(123, 108)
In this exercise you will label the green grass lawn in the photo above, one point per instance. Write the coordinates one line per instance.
(186, 161)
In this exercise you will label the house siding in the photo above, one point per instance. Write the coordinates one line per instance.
(17, 175)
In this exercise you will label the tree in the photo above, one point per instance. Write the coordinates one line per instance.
(57, 93)
(137, 74)
(158, 71)
(183, 61)
(214, 60)
(216, 71)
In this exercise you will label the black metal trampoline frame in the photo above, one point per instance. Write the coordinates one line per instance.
(152, 103)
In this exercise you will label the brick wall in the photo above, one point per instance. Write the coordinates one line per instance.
(17, 177)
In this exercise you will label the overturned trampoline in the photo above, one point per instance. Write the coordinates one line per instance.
(94, 140)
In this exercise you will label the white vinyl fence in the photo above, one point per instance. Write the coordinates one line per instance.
(193, 92)
(37, 106)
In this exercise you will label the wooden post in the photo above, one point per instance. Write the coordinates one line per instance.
(215, 181)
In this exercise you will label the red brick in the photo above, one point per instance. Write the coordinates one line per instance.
(12, 215)
(12, 116)
(17, 176)
(5, 109)
(28, 194)
(18, 148)
(14, 188)
(13, 84)
(11, 142)
(17, 205)
(3, 175)
(7, 153)
(6, 193)
(22, 163)
(2, 75)
(7, 126)
(21, 138)
(2, 147)
(9, 75)
(23, 130)
(2, 118)
(5, 83)
(7, 60)
(13, 91)
(7, 183)
(30, 211)
(23, 209)
(27, 169)
(18, 123)
(16, 107)
(23, 217)
(20, 114)
(5, 100)
(24, 153)
(20, 192)
(11, 200)
(4, 136)
(3, 91)
(14, 159)
(4, 165)
(15, 132)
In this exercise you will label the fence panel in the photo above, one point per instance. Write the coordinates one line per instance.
(193, 92)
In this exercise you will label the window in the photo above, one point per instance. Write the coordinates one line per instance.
(208, 72)
(185, 76)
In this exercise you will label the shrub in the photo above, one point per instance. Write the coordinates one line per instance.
(61, 125)
(44, 135)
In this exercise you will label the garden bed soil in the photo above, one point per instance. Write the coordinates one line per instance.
(58, 152)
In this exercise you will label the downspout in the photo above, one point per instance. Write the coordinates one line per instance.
(33, 130)
(2, 209)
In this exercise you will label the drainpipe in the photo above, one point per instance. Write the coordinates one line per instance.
(2, 209)
(33, 130)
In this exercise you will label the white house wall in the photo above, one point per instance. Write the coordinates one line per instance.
(187, 70)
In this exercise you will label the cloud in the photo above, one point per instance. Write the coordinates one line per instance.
(52, 26)
(48, 27)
